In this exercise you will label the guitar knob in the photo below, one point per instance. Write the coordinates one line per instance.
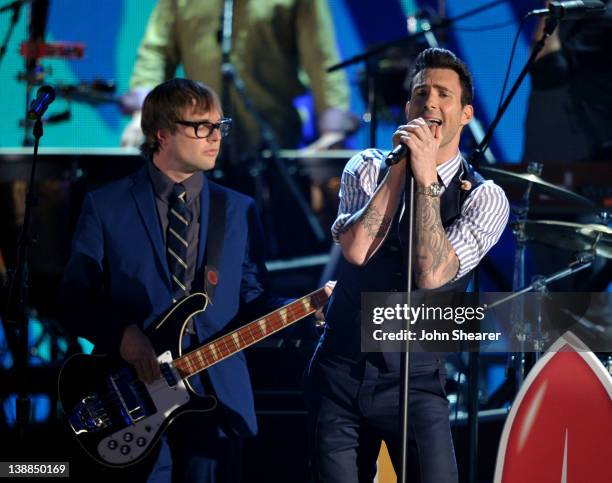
(125, 449)
(141, 441)
(127, 437)
(112, 444)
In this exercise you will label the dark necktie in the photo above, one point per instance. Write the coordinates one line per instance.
(179, 219)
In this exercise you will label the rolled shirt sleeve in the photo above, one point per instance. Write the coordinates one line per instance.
(484, 214)
(357, 186)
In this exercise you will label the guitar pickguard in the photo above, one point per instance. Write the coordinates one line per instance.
(129, 443)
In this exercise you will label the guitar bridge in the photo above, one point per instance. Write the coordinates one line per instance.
(88, 415)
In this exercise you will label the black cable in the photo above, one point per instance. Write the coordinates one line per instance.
(516, 37)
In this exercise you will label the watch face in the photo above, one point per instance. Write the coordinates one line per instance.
(435, 189)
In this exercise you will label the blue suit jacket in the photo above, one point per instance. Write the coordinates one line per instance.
(118, 275)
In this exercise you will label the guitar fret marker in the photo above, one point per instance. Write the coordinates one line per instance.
(263, 326)
(213, 350)
(236, 339)
(306, 304)
(283, 314)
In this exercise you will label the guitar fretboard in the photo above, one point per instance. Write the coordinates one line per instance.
(223, 347)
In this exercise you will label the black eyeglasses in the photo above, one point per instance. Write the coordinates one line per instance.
(203, 129)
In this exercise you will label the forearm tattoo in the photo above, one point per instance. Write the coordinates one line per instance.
(374, 223)
(431, 244)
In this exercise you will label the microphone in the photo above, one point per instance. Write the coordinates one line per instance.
(570, 10)
(401, 150)
(44, 97)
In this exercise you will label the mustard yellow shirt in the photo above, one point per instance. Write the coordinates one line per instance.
(280, 49)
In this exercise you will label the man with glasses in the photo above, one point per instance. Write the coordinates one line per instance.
(144, 242)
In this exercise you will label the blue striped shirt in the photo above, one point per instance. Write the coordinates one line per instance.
(483, 216)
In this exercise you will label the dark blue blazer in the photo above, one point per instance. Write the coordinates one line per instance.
(118, 275)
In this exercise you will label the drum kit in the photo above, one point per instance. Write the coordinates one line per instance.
(588, 242)
(593, 238)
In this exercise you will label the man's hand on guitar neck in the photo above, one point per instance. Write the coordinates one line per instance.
(137, 350)
(319, 315)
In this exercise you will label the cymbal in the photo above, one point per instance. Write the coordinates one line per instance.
(576, 237)
(504, 177)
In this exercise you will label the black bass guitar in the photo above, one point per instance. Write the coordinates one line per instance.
(117, 418)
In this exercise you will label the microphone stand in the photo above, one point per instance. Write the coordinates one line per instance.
(478, 153)
(34, 73)
(476, 159)
(16, 316)
(444, 23)
(405, 355)
(372, 66)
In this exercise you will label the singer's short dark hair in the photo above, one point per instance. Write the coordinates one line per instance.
(163, 106)
(437, 58)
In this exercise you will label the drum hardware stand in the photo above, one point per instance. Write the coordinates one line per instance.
(516, 367)
(537, 340)
(540, 283)
(516, 362)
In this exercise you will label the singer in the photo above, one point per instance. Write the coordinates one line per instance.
(353, 396)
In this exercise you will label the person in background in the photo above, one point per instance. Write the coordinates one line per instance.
(281, 49)
(569, 115)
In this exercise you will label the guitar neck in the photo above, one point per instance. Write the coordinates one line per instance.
(227, 345)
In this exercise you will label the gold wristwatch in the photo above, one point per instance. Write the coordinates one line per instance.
(433, 190)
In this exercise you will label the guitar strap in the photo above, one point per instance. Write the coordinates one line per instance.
(214, 242)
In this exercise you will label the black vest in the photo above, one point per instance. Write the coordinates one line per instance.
(386, 272)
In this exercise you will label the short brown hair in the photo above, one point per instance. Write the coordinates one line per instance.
(163, 105)
(437, 58)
